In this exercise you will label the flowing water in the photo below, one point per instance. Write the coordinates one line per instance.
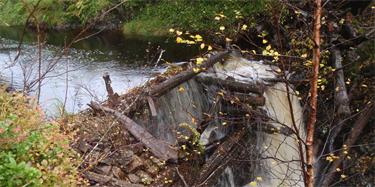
(125, 58)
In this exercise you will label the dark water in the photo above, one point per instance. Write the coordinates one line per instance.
(125, 58)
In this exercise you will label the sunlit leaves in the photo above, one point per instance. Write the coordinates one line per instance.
(217, 18)
(202, 45)
(265, 41)
(244, 27)
(228, 39)
(209, 48)
(181, 89)
(222, 28)
(171, 30)
(199, 61)
(253, 183)
(179, 33)
(259, 179)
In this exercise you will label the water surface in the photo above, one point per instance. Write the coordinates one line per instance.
(128, 60)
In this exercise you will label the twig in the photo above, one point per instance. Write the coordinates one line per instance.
(182, 177)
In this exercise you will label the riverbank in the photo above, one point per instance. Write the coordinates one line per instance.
(148, 18)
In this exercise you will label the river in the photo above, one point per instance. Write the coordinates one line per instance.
(125, 58)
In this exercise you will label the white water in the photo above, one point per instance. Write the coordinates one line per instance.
(280, 163)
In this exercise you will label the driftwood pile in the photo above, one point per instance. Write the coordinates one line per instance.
(148, 161)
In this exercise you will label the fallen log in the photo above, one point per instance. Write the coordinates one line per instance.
(160, 149)
(162, 88)
(102, 179)
(232, 85)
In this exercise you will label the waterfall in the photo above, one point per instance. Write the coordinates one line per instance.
(272, 159)
(278, 160)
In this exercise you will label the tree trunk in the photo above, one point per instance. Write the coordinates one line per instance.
(314, 95)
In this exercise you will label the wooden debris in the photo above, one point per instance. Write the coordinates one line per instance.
(233, 85)
(102, 179)
(184, 76)
(113, 97)
(158, 148)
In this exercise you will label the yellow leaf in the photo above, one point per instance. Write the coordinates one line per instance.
(265, 41)
(178, 33)
(224, 123)
(343, 176)
(198, 37)
(228, 39)
(304, 55)
(171, 30)
(199, 61)
(345, 152)
(247, 115)
(278, 70)
(268, 47)
(363, 85)
(178, 40)
(196, 70)
(338, 169)
(308, 63)
(207, 114)
(190, 42)
(192, 120)
(202, 45)
(167, 62)
(297, 92)
(181, 89)
(217, 18)
(265, 147)
(216, 127)
(297, 12)
(244, 27)
(191, 36)
(253, 183)
(337, 89)
(222, 28)
(220, 93)
(209, 48)
(333, 70)
(259, 179)
(323, 87)
(274, 163)
(254, 51)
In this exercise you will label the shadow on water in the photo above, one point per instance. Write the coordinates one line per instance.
(124, 57)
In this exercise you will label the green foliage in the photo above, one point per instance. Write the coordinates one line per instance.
(33, 151)
(199, 15)
(52, 12)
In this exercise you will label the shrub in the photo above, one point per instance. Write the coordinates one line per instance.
(33, 151)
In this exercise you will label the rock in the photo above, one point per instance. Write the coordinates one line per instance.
(118, 173)
(152, 170)
(145, 178)
(134, 165)
(134, 178)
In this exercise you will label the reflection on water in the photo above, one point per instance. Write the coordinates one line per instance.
(125, 58)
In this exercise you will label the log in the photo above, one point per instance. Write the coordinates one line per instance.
(102, 179)
(233, 85)
(184, 76)
(245, 98)
(113, 97)
(160, 149)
